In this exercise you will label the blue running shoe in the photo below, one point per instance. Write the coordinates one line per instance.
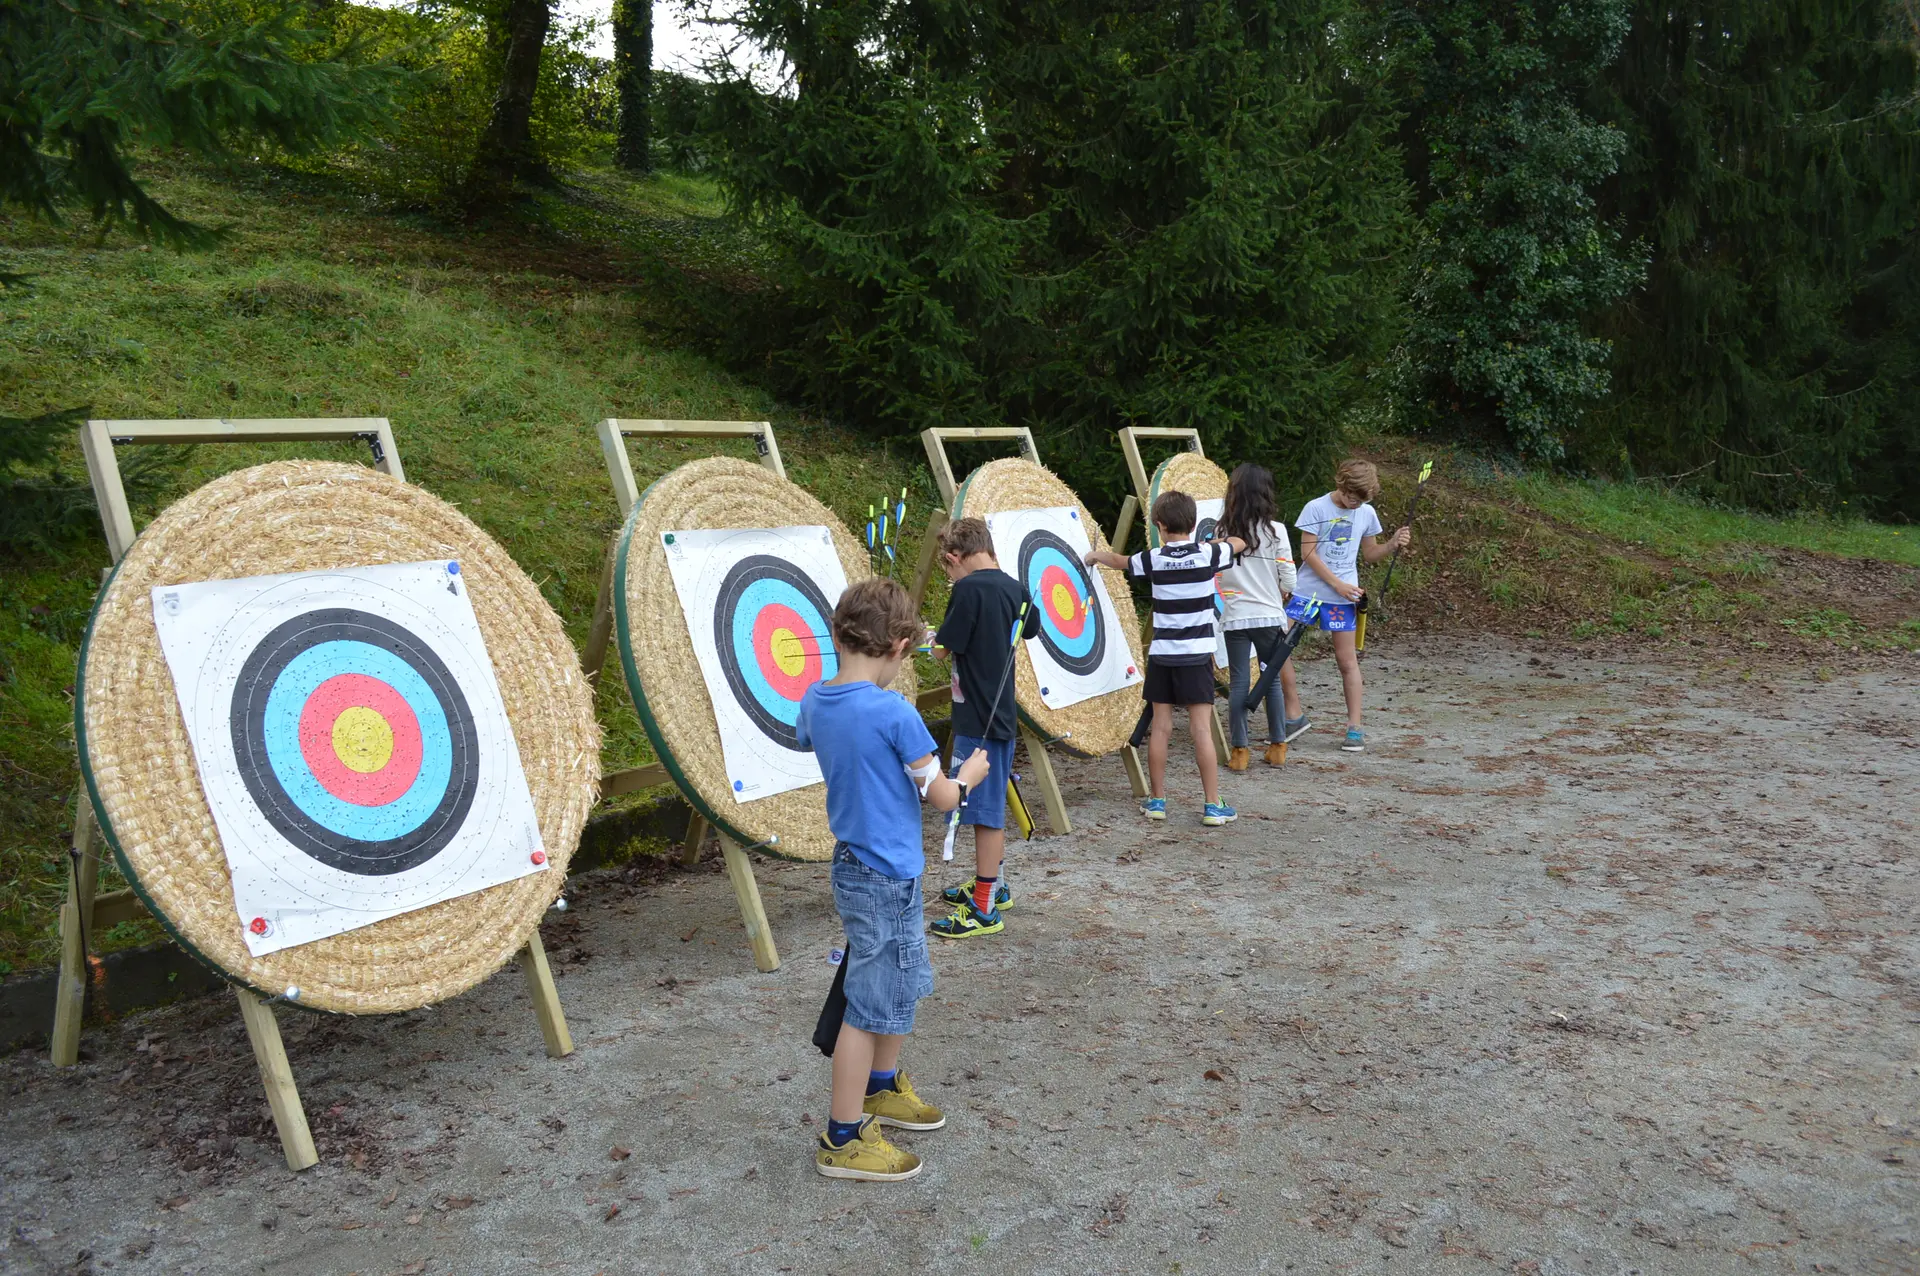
(1356, 740)
(1154, 808)
(1218, 813)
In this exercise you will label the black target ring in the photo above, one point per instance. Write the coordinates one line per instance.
(345, 641)
(1045, 559)
(760, 596)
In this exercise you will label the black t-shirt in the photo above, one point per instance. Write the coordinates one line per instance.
(978, 630)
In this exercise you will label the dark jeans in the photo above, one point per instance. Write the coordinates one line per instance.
(1241, 645)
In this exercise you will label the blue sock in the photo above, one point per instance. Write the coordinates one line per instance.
(838, 1132)
(878, 1081)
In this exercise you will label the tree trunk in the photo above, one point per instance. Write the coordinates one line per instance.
(633, 72)
(506, 148)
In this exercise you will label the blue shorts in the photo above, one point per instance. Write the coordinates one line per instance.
(987, 805)
(1335, 618)
(888, 970)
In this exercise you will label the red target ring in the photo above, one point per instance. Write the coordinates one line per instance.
(786, 650)
(380, 729)
(1060, 595)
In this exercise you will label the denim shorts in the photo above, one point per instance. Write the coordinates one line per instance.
(987, 805)
(888, 970)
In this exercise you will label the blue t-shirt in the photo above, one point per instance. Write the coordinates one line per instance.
(864, 736)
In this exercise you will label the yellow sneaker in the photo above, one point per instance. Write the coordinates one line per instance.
(1277, 754)
(902, 1109)
(1238, 759)
(866, 1156)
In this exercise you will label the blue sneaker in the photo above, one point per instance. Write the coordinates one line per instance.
(1218, 813)
(1356, 740)
(1154, 808)
(1295, 728)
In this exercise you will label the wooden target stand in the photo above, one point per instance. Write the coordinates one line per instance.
(935, 441)
(85, 910)
(1137, 504)
(614, 434)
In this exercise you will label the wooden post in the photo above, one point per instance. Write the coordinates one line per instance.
(593, 657)
(934, 440)
(1049, 782)
(929, 555)
(747, 892)
(76, 925)
(545, 997)
(696, 834)
(276, 1074)
(1136, 773)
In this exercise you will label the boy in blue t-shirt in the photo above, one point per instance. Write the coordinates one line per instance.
(879, 763)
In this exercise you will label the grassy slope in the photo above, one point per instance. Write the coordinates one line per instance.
(492, 364)
(493, 355)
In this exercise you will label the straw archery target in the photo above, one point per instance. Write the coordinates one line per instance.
(757, 605)
(1076, 654)
(352, 743)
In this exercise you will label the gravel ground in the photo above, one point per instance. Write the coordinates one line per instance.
(1582, 968)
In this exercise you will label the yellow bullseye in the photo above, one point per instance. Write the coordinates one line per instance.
(362, 740)
(1062, 601)
(789, 654)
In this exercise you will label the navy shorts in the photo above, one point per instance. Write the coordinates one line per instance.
(888, 970)
(986, 805)
(1333, 618)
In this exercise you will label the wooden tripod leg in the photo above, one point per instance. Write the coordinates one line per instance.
(752, 912)
(545, 997)
(1042, 766)
(276, 1074)
(696, 834)
(1136, 773)
(76, 925)
(1221, 750)
(600, 631)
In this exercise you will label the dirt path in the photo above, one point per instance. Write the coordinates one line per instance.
(1580, 969)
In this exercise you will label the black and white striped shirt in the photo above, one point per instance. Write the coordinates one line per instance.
(1181, 575)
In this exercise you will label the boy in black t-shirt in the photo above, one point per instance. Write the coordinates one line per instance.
(977, 634)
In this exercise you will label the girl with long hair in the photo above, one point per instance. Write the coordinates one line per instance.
(1255, 616)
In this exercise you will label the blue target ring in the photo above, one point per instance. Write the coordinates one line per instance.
(1071, 627)
(771, 629)
(280, 731)
(287, 674)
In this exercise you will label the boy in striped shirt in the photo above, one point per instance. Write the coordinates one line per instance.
(1180, 660)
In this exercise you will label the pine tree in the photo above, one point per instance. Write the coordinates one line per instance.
(1515, 259)
(1079, 216)
(84, 81)
(1774, 169)
(633, 77)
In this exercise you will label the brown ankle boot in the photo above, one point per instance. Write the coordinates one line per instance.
(1239, 759)
(1276, 755)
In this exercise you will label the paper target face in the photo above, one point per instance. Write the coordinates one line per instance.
(1079, 652)
(352, 743)
(757, 603)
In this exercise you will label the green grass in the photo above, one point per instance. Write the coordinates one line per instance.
(490, 357)
(1677, 526)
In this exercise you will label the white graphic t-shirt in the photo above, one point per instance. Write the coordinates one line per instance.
(1339, 532)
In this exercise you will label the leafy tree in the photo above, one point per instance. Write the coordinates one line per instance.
(633, 71)
(507, 152)
(1774, 169)
(1078, 215)
(1515, 259)
(83, 81)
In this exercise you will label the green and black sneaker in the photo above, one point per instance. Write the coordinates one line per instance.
(958, 895)
(968, 922)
